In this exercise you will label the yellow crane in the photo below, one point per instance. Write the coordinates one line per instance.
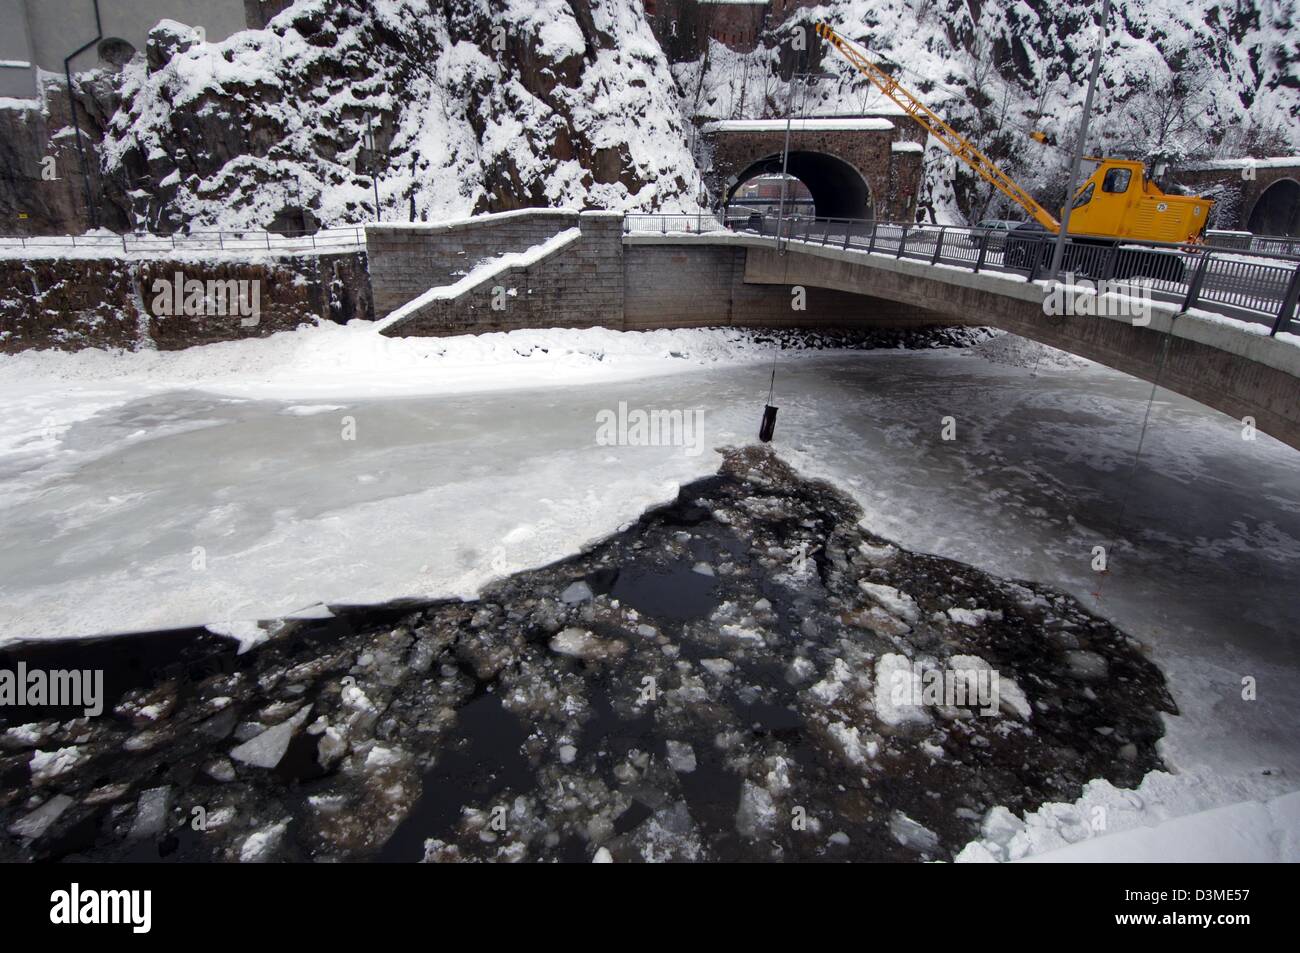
(1117, 201)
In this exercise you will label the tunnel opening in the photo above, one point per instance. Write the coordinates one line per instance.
(830, 187)
(1277, 211)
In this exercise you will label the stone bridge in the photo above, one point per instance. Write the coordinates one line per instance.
(547, 268)
(854, 166)
(1256, 195)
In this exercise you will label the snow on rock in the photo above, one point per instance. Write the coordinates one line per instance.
(1246, 99)
(577, 108)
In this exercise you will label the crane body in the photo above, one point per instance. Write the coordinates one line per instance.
(1117, 201)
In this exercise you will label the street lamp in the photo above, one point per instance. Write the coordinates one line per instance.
(1058, 250)
(785, 151)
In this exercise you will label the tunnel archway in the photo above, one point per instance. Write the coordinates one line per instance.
(838, 189)
(1277, 210)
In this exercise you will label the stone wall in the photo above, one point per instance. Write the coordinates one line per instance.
(604, 278)
(1236, 189)
(578, 286)
(74, 303)
(406, 260)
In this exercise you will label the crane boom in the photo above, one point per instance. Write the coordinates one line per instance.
(954, 141)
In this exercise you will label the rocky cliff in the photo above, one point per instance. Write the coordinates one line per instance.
(1180, 79)
(458, 107)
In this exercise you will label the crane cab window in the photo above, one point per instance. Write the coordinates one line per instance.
(1116, 180)
(1084, 197)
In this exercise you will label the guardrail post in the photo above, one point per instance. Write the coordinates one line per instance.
(1194, 290)
(1036, 260)
(124, 241)
(221, 241)
(938, 246)
(1108, 271)
(902, 243)
(848, 232)
(871, 245)
(984, 250)
(1286, 312)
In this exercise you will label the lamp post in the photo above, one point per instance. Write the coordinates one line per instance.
(372, 162)
(785, 151)
(1058, 250)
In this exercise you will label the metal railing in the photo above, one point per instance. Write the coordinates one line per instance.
(1248, 241)
(676, 223)
(1256, 286)
(332, 239)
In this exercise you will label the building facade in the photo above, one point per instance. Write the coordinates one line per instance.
(43, 34)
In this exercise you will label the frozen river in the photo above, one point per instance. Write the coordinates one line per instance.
(198, 505)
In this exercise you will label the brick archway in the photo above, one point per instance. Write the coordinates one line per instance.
(861, 165)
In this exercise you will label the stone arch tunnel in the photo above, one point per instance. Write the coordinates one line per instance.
(838, 189)
(1277, 210)
(854, 166)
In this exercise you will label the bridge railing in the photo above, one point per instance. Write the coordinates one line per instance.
(672, 223)
(1257, 286)
(1248, 241)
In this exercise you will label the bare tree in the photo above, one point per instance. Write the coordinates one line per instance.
(1161, 123)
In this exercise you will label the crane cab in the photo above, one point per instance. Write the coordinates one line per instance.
(1119, 201)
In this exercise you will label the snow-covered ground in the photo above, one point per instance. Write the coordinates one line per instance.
(219, 483)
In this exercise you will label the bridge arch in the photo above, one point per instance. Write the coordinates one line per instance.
(1277, 210)
(839, 189)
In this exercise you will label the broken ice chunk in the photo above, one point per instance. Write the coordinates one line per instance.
(681, 756)
(911, 834)
(896, 603)
(577, 592)
(35, 823)
(266, 749)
